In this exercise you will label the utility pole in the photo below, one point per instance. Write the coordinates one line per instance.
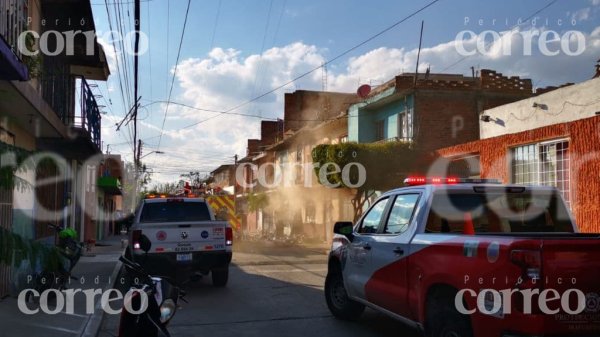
(235, 164)
(136, 150)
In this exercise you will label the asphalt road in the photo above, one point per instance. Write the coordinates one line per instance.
(272, 291)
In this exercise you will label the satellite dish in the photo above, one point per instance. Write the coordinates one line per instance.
(363, 91)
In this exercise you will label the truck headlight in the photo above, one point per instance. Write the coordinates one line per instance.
(167, 310)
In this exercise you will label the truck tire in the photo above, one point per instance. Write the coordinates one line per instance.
(446, 321)
(220, 276)
(338, 302)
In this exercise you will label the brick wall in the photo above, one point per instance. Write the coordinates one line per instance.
(584, 147)
(309, 108)
(447, 117)
(253, 146)
(270, 132)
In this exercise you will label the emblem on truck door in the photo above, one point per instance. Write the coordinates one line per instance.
(184, 235)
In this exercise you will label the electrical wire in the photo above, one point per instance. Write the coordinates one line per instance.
(511, 29)
(187, 11)
(214, 32)
(119, 72)
(337, 57)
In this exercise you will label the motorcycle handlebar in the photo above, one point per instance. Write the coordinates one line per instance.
(135, 267)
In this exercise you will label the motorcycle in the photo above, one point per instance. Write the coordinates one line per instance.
(70, 250)
(162, 296)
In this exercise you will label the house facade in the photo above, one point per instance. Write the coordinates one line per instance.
(283, 173)
(434, 111)
(48, 114)
(550, 139)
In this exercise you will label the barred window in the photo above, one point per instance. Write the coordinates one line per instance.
(544, 163)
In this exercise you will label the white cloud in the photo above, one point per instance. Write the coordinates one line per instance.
(582, 14)
(225, 78)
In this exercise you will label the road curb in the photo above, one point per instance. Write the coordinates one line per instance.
(92, 327)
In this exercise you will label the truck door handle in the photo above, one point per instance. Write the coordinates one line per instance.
(399, 251)
(367, 247)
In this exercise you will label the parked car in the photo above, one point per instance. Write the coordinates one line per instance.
(458, 257)
(186, 239)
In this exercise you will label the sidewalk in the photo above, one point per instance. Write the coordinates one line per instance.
(96, 269)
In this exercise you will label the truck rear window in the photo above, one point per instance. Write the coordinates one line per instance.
(498, 213)
(175, 212)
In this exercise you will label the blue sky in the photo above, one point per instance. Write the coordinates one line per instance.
(234, 50)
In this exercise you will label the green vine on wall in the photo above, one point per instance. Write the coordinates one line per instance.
(14, 250)
(32, 62)
(13, 160)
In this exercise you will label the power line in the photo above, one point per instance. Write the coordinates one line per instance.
(371, 38)
(214, 33)
(149, 55)
(187, 11)
(511, 29)
(120, 77)
(126, 72)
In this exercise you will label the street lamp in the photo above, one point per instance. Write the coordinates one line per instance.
(149, 153)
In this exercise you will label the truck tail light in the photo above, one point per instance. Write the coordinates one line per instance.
(135, 239)
(228, 236)
(530, 261)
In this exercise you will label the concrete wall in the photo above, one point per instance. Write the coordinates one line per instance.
(562, 105)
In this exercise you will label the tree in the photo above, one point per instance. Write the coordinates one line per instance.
(166, 188)
(194, 178)
(257, 201)
(386, 165)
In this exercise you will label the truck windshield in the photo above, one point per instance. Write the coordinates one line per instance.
(175, 212)
(498, 213)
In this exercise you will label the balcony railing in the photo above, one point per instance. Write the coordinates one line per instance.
(394, 139)
(87, 117)
(13, 21)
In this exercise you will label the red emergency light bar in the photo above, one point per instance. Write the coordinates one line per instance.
(415, 181)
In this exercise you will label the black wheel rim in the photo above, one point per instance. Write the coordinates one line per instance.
(337, 293)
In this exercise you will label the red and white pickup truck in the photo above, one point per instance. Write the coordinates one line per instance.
(185, 238)
(469, 257)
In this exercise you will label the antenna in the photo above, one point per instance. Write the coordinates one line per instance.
(324, 74)
(419, 53)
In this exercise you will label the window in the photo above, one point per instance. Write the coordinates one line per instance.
(300, 154)
(405, 125)
(310, 212)
(402, 125)
(401, 213)
(380, 130)
(466, 166)
(371, 221)
(498, 212)
(175, 211)
(543, 164)
(344, 139)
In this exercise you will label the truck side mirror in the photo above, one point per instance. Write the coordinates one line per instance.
(344, 228)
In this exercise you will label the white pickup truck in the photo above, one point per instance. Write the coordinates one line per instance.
(186, 239)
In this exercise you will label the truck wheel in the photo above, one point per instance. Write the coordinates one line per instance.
(448, 322)
(340, 305)
(220, 276)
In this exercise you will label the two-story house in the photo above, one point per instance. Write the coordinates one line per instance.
(48, 112)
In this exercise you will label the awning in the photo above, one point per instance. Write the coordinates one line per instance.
(11, 68)
(110, 185)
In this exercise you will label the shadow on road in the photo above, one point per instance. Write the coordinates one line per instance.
(257, 305)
